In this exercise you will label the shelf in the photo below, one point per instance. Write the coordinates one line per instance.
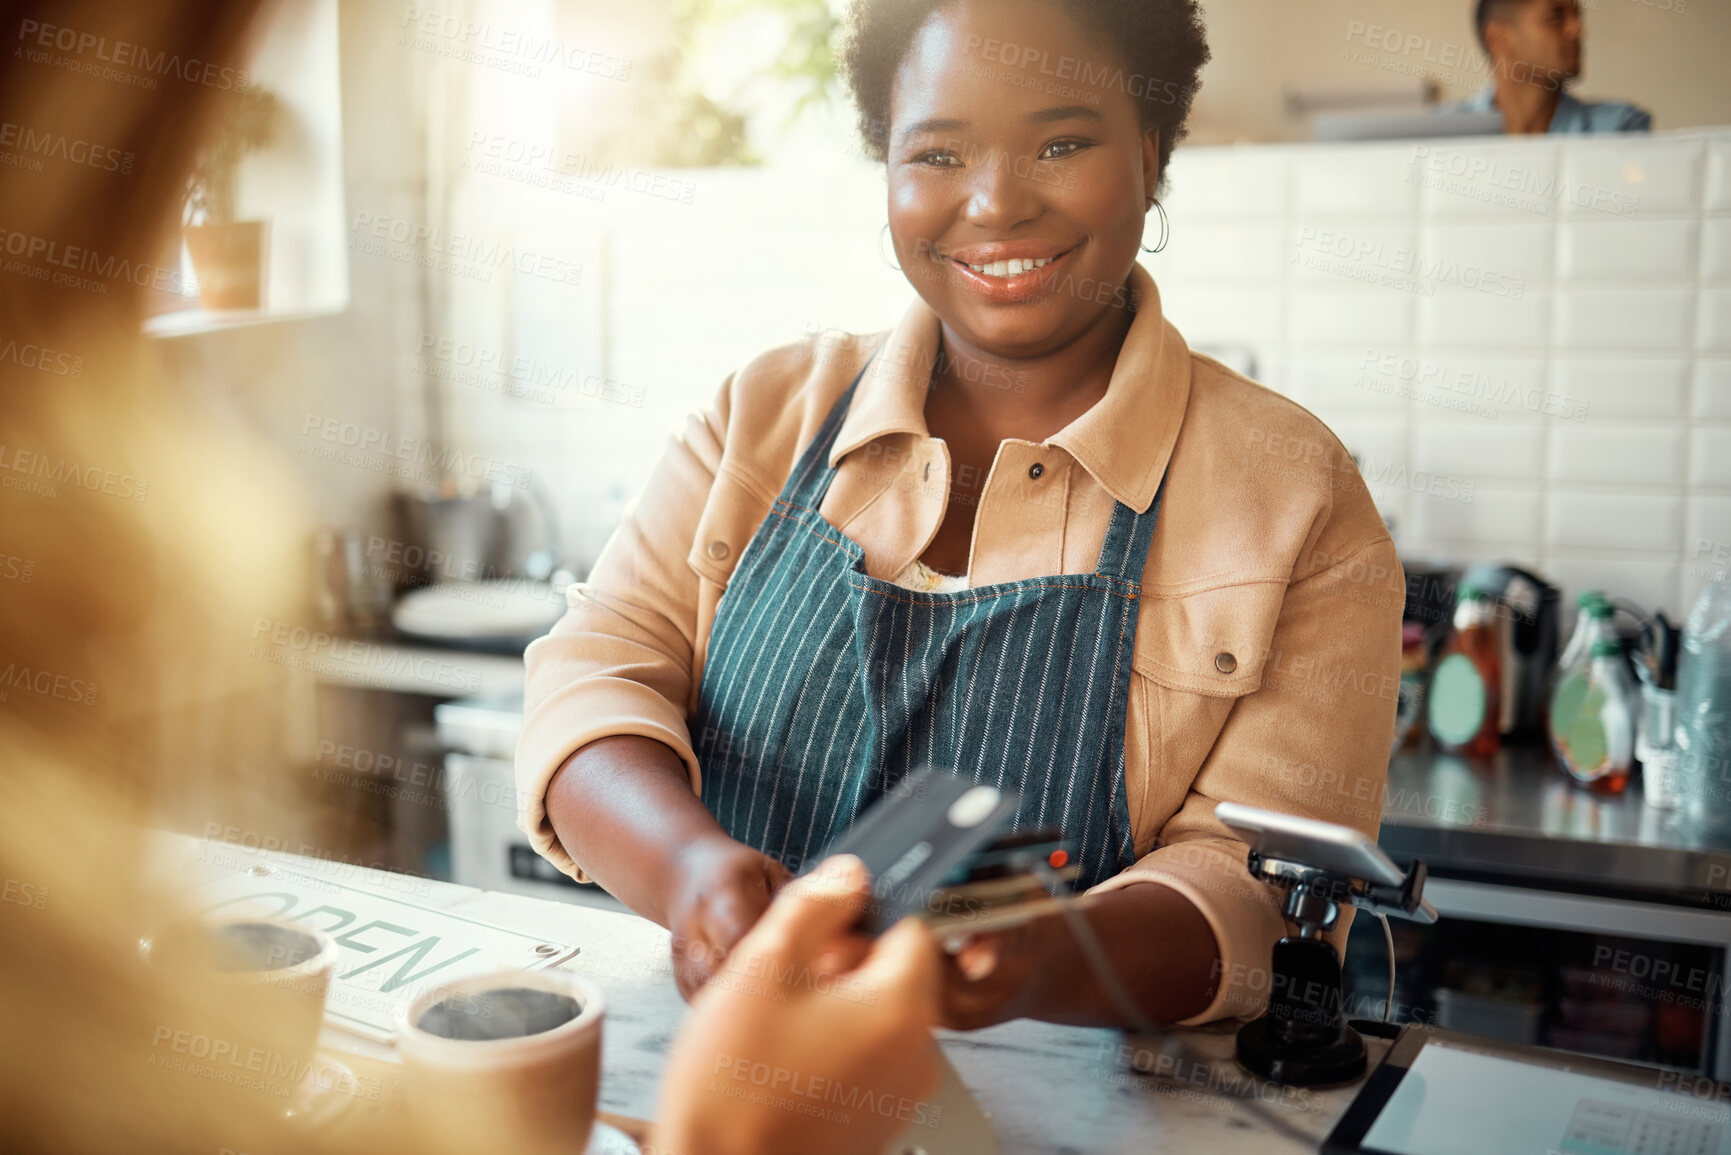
(295, 183)
(190, 322)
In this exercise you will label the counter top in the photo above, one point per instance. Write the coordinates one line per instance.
(398, 667)
(1517, 818)
(1045, 1088)
(1512, 819)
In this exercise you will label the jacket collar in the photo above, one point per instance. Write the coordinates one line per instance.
(1568, 111)
(1124, 441)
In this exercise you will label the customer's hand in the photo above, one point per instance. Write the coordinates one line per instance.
(723, 888)
(812, 1038)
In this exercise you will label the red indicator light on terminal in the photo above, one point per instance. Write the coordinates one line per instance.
(1057, 859)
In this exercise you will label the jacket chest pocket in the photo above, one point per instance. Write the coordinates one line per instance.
(729, 520)
(1213, 643)
(1196, 655)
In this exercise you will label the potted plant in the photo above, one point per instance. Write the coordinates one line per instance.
(228, 256)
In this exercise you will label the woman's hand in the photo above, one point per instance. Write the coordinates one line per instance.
(723, 887)
(994, 977)
(812, 1038)
(1159, 946)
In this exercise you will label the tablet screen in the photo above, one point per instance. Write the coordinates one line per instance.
(1454, 1100)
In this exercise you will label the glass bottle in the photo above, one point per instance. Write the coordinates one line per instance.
(1593, 718)
(1569, 679)
(1464, 709)
(1592, 621)
(1704, 703)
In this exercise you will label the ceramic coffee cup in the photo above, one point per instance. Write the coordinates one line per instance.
(252, 996)
(505, 1062)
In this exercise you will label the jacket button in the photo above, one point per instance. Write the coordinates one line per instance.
(718, 550)
(1036, 471)
(1225, 663)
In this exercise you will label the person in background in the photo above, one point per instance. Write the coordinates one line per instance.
(1534, 48)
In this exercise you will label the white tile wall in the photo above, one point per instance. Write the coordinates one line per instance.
(1564, 341)
(1662, 174)
(1354, 182)
(1508, 389)
(1505, 452)
(1616, 521)
(1233, 251)
(1617, 320)
(1509, 515)
(1713, 389)
(1621, 251)
(1630, 456)
(1719, 175)
(1715, 333)
(1561, 347)
(1498, 180)
(1645, 583)
(1716, 251)
(1709, 528)
(1710, 457)
(1464, 319)
(1613, 387)
(1231, 315)
(1230, 184)
(1331, 316)
(1516, 250)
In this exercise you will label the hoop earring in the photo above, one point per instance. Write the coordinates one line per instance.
(887, 260)
(1165, 227)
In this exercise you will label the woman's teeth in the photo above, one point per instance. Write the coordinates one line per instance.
(1012, 268)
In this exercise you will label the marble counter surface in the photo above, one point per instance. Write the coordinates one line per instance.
(1044, 1088)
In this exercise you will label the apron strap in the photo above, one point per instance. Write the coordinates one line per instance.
(1125, 550)
(811, 478)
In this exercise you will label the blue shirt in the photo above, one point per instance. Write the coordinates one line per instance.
(1572, 115)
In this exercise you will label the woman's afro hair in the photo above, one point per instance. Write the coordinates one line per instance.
(1160, 47)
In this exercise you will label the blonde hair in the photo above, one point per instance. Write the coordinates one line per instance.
(142, 534)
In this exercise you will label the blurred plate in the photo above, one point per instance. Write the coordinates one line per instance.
(512, 612)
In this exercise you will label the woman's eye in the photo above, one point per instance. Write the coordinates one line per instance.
(938, 158)
(1059, 149)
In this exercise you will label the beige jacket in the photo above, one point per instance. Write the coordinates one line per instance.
(1268, 646)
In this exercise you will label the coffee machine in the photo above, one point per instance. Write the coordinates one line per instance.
(1531, 622)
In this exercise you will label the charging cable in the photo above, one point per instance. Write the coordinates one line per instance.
(1100, 963)
(1098, 960)
(1388, 941)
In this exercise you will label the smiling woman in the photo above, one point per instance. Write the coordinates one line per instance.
(1111, 588)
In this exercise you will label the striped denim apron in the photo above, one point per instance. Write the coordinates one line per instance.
(824, 686)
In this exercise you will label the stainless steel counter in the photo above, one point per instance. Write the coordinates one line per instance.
(1509, 840)
(1512, 840)
(1518, 819)
(1514, 819)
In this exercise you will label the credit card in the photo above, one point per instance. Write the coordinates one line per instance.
(998, 902)
(913, 838)
(963, 925)
(1016, 853)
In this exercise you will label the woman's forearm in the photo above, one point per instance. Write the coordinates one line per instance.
(624, 808)
(1160, 946)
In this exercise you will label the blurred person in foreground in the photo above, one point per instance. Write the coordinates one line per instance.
(1535, 49)
(143, 532)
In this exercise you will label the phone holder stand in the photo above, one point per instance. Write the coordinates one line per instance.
(1303, 1039)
